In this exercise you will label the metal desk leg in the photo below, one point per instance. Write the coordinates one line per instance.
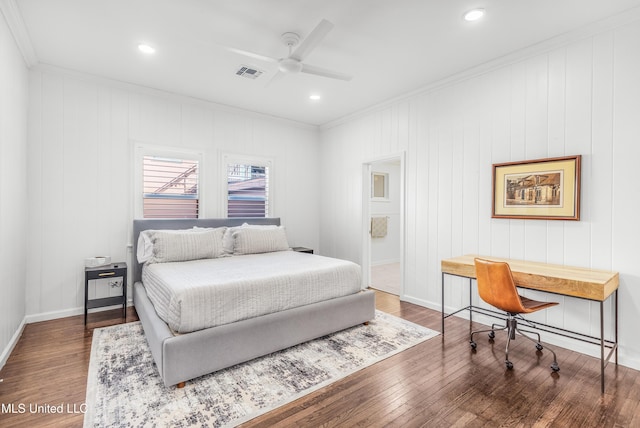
(442, 297)
(603, 363)
(615, 303)
(602, 347)
(470, 305)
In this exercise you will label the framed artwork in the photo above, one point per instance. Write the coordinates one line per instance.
(543, 189)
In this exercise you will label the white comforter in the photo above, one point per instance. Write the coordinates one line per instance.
(197, 294)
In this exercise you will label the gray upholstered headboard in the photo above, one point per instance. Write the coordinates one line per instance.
(156, 224)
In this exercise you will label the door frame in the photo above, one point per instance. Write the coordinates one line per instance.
(366, 215)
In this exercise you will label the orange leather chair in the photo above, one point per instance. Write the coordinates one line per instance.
(497, 288)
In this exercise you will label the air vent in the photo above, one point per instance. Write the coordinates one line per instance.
(248, 72)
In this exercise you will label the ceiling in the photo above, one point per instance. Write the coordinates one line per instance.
(389, 47)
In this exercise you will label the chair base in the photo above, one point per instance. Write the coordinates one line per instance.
(512, 330)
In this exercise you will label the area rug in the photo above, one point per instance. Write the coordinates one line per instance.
(125, 389)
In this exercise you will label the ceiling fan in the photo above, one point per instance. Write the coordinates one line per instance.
(294, 62)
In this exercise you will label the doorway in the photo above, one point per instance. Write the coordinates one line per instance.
(383, 224)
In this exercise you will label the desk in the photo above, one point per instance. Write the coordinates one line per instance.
(589, 284)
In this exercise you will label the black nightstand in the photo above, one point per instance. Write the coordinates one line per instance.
(303, 250)
(114, 270)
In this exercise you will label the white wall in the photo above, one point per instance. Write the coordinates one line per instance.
(81, 183)
(13, 189)
(580, 98)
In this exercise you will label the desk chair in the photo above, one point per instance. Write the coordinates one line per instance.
(497, 288)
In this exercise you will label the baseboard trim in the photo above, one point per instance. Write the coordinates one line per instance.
(12, 343)
(47, 316)
(420, 302)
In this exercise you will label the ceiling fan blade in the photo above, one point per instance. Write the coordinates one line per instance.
(312, 69)
(276, 77)
(252, 55)
(312, 40)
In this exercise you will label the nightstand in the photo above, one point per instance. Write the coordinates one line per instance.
(109, 288)
(303, 250)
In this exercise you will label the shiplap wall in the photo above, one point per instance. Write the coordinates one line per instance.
(580, 98)
(13, 188)
(81, 173)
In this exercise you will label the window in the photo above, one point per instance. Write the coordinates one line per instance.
(247, 189)
(379, 186)
(170, 187)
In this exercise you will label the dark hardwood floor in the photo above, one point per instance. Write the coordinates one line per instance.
(439, 383)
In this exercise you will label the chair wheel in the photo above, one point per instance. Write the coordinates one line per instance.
(555, 367)
(472, 344)
(539, 347)
(509, 364)
(492, 335)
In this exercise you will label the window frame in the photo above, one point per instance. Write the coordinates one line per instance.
(142, 150)
(384, 177)
(230, 159)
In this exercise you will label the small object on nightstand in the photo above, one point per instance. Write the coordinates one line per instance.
(97, 261)
(303, 250)
(116, 271)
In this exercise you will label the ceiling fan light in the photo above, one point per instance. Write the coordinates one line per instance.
(473, 15)
(289, 65)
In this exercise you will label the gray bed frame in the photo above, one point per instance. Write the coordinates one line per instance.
(180, 358)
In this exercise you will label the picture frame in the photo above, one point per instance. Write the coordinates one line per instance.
(540, 189)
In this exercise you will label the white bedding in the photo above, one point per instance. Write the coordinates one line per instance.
(198, 294)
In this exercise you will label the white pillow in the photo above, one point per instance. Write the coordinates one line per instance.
(228, 241)
(263, 240)
(145, 246)
(184, 245)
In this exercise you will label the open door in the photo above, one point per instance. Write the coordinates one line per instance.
(383, 224)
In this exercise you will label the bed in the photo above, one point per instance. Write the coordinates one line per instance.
(185, 345)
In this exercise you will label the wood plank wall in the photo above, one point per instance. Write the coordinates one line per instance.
(83, 132)
(580, 98)
(13, 187)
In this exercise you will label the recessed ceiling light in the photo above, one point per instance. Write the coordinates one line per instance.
(142, 47)
(314, 97)
(473, 15)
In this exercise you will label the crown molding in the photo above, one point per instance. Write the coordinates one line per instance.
(562, 40)
(14, 20)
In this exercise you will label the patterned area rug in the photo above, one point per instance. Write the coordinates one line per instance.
(124, 388)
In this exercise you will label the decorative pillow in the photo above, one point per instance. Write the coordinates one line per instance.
(228, 240)
(145, 246)
(248, 240)
(184, 245)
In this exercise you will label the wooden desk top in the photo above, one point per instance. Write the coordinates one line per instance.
(566, 280)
